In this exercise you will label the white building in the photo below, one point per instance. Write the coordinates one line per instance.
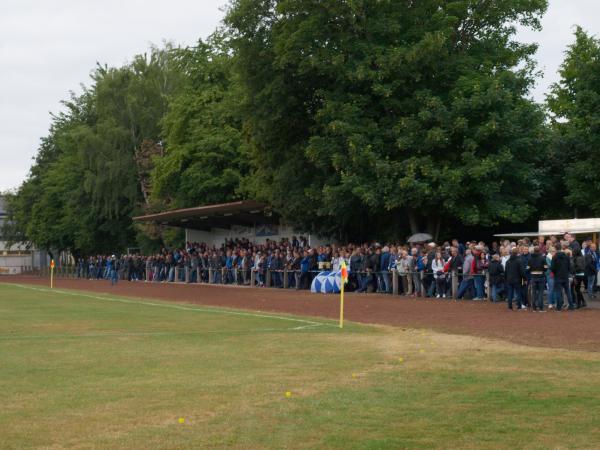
(16, 258)
(582, 228)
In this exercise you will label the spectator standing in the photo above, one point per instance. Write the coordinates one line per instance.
(496, 272)
(515, 274)
(525, 255)
(572, 242)
(537, 267)
(304, 268)
(294, 275)
(504, 255)
(591, 269)
(561, 270)
(336, 262)
(480, 266)
(455, 267)
(542, 245)
(114, 270)
(551, 252)
(367, 269)
(419, 267)
(312, 266)
(437, 266)
(385, 284)
(403, 266)
(579, 279)
(376, 269)
(276, 266)
(466, 283)
(391, 268)
(356, 264)
(429, 278)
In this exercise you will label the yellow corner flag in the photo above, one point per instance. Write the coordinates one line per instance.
(344, 272)
(51, 274)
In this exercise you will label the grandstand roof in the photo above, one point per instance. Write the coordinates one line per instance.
(222, 215)
(519, 235)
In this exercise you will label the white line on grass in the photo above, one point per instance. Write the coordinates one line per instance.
(201, 309)
(16, 337)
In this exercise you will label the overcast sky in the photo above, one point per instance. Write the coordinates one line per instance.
(48, 48)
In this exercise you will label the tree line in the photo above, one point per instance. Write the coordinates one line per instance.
(354, 119)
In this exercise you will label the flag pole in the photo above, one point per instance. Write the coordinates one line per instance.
(52, 274)
(344, 280)
(342, 305)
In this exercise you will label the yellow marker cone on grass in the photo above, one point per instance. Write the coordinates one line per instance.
(288, 394)
(181, 420)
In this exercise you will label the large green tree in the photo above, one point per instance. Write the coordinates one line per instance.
(131, 102)
(46, 208)
(203, 161)
(85, 183)
(361, 113)
(575, 104)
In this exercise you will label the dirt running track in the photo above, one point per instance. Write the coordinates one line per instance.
(572, 330)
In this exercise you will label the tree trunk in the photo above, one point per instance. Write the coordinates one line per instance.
(413, 221)
(436, 236)
(433, 226)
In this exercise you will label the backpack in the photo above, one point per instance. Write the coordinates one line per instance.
(579, 264)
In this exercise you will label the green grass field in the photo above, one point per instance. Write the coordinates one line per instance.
(91, 371)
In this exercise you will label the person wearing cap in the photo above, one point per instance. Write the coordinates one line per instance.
(114, 270)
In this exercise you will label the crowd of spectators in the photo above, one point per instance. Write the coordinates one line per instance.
(522, 272)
